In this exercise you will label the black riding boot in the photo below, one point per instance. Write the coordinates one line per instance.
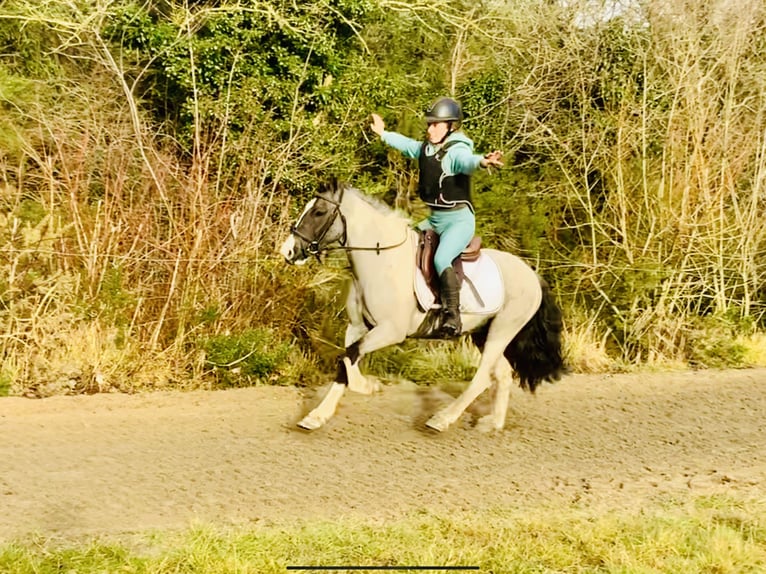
(450, 293)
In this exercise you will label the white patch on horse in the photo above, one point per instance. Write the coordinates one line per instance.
(288, 247)
(306, 209)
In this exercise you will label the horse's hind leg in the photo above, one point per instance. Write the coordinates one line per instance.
(493, 351)
(503, 328)
(502, 377)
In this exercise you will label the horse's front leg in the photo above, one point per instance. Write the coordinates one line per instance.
(355, 330)
(362, 339)
(348, 368)
(382, 335)
(326, 409)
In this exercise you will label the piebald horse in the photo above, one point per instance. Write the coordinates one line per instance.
(523, 334)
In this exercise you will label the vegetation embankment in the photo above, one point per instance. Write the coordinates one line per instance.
(153, 154)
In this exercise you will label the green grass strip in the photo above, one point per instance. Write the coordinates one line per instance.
(711, 535)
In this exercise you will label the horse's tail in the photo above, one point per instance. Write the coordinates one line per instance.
(535, 352)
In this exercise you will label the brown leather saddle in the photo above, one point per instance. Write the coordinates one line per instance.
(427, 244)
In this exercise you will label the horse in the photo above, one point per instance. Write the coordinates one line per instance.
(524, 333)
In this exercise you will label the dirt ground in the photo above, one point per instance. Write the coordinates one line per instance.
(117, 464)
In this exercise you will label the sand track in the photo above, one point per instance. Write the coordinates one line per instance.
(114, 464)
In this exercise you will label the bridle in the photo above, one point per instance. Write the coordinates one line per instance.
(314, 245)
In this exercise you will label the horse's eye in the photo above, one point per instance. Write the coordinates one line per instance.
(320, 212)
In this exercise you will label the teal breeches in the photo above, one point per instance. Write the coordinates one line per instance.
(455, 229)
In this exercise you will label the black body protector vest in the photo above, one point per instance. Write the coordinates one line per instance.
(440, 191)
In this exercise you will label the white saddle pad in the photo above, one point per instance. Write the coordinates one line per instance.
(485, 276)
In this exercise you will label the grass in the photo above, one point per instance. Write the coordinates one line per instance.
(426, 362)
(712, 534)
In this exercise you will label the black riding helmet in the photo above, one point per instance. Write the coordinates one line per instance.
(445, 110)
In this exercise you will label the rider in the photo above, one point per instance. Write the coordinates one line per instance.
(446, 162)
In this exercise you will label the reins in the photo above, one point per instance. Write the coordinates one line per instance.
(314, 247)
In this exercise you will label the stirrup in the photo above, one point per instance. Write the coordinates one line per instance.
(451, 328)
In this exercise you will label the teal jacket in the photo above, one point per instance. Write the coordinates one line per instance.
(458, 159)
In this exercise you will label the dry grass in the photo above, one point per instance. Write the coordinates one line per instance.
(116, 244)
(119, 253)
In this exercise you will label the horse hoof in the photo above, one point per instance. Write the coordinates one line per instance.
(437, 423)
(486, 424)
(364, 385)
(310, 423)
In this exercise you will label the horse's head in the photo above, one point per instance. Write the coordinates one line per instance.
(321, 224)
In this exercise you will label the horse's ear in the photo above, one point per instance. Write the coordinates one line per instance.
(330, 186)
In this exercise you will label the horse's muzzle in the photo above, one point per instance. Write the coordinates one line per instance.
(293, 254)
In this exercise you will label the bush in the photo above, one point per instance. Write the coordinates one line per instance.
(245, 359)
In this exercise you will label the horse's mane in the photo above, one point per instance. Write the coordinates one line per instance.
(379, 206)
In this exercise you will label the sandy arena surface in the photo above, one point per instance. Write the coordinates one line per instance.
(116, 464)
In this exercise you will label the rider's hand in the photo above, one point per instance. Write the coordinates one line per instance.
(492, 159)
(377, 124)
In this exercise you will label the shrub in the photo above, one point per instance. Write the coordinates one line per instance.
(244, 359)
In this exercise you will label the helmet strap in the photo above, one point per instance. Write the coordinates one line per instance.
(450, 131)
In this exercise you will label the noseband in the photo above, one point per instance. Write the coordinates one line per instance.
(314, 245)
